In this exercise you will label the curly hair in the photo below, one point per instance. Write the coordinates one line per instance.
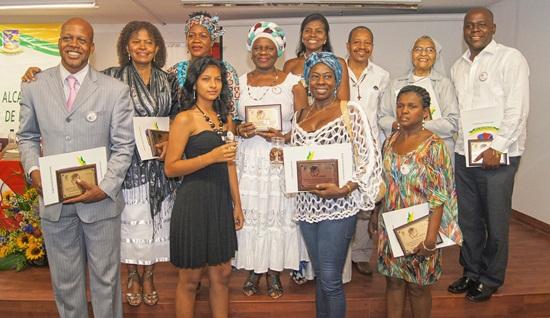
(132, 28)
(327, 47)
(419, 91)
(187, 94)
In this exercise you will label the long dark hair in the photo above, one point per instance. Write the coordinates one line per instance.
(133, 27)
(327, 47)
(187, 96)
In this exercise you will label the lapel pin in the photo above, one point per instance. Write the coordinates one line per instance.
(91, 116)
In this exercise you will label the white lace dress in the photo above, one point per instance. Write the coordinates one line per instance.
(366, 171)
(270, 238)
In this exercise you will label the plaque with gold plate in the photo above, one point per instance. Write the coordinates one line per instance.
(67, 180)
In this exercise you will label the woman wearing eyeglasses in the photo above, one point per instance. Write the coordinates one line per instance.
(427, 72)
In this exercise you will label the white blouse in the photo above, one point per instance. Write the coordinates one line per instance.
(366, 169)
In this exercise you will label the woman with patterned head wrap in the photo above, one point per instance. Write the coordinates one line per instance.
(269, 241)
(427, 71)
(201, 31)
(327, 215)
(314, 37)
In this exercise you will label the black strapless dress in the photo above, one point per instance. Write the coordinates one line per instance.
(202, 228)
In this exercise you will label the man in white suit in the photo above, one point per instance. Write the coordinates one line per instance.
(68, 108)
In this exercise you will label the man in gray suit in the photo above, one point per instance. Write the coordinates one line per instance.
(68, 108)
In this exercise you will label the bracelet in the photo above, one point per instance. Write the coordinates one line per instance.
(347, 186)
(428, 249)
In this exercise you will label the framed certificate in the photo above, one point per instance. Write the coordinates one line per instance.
(476, 147)
(155, 136)
(264, 116)
(66, 180)
(312, 172)
(411, 234)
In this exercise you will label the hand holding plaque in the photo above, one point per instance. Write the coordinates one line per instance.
(68, 180)
(155, 137)
(412, 234)
(310, 173)
(264, 116)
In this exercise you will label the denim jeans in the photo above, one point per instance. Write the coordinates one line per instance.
(327, 243)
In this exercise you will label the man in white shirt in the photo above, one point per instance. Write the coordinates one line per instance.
(488, 74)
(367, 82)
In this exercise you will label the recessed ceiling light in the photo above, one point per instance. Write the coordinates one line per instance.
(46, 4)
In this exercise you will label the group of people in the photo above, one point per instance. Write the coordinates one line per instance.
(210, 203)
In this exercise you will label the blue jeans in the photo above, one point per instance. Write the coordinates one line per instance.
(327, 243)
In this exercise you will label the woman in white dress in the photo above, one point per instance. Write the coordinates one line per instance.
(270, 239)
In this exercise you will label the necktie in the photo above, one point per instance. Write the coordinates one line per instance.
(72, 91)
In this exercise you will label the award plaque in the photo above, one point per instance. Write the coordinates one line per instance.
(155, 136)
(476, 147)
(411, 234)
(312, 172)
(66, 180)
(264, 116)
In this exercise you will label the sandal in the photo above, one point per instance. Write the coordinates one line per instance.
(133, 299)
(274, 286)
(151, 298)
(250, 286)
(298, 276)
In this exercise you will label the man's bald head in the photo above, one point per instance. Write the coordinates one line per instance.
(481, 10)
(82, 23)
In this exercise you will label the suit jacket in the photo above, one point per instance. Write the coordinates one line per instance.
(101, 116)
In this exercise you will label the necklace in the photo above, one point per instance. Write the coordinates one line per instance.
(358, 84)
(219, 130)
(271, 86)
(310, 108)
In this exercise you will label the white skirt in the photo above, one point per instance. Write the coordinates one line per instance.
(137, 244)
(270, 238)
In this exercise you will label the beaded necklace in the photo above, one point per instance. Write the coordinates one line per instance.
(219, 130)
(275, 89)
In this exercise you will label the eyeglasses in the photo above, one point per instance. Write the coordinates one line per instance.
(428, 50)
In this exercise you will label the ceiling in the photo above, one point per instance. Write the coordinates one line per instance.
(171, 11)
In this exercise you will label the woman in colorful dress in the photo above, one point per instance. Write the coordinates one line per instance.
(270, 240)
(201, 31)
(417, 169)
(327, 215)
(428, 72)
(207, 211)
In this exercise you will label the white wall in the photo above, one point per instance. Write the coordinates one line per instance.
(524, 25)
(521, 24)
(393, 35)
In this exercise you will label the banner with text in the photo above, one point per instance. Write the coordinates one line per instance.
(22, 46)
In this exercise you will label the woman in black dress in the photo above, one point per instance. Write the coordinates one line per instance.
(207, 211)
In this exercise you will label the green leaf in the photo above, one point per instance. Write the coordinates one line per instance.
(13, 261)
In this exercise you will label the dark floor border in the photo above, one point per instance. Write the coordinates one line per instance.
(531, 221)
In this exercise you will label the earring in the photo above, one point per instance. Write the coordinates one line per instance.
(398, 126)
(129, 57)
(194, 95)
(423, 121)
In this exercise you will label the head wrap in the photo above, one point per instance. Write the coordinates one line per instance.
(268, 30)
(327, 58)
(209, 23)
(439, 65)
